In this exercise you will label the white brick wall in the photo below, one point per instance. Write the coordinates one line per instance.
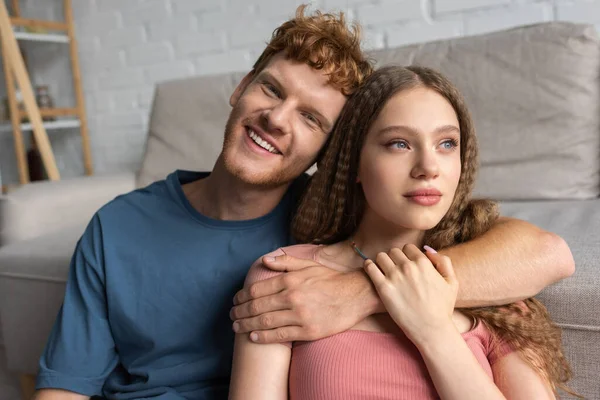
(126, 46)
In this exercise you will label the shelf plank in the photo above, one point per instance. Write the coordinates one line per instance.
(50, 125)
(42, 37)
(53, 112)
(38, 23)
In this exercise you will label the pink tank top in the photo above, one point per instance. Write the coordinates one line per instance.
(358, 364)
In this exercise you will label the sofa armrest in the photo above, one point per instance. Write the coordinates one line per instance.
(43, 207)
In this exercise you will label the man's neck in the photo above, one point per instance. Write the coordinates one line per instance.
(222, 196)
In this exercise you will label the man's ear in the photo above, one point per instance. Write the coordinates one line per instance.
(239, 90)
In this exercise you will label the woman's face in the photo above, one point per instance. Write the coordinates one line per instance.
(410, 162)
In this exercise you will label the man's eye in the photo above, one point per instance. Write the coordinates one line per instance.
(311, 118)
(272, 89)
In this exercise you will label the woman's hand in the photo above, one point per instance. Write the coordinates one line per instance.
(418, 290)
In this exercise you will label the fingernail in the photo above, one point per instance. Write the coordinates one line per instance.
(269, 259)
(253, 337)
(236, 327)
(429, 249)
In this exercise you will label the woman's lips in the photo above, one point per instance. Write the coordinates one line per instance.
(425, 200)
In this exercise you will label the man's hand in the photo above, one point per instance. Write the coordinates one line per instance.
(309, 302)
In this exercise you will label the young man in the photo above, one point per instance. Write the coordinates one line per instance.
(152, 279)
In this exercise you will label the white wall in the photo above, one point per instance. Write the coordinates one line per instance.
(126, 46)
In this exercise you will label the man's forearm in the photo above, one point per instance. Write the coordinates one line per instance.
(514, 260)
(57, 394)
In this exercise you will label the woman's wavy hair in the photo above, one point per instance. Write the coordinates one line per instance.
(325, 42)
(333, 205)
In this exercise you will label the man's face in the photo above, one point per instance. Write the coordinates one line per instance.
(280, 120)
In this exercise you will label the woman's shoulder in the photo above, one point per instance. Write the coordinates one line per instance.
(259, 272)
(493, 345)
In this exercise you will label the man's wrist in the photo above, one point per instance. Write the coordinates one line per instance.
(370, 303)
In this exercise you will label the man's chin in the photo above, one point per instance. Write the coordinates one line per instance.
(255, 178)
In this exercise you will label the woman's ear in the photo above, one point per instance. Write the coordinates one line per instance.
(241, 87)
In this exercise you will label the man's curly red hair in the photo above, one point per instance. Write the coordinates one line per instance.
(323, 41)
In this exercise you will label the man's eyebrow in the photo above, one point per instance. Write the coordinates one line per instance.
(326, 124)
(413, 131)
(264, 74)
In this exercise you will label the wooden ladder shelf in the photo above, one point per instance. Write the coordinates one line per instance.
(16, 74)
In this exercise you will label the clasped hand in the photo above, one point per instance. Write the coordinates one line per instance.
(311, 301)
(418, 290)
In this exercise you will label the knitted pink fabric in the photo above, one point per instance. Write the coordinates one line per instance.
(357, 365)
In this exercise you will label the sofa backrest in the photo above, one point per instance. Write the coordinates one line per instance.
(534, 93)
(187, 123)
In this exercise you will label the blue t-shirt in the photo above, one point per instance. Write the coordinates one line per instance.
(150, 287)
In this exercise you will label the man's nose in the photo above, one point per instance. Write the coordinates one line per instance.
(278, 117)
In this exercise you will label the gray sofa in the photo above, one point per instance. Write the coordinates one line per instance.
(535, 96)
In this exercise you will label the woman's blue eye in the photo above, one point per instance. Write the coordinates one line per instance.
(449, 144)
(399, 145)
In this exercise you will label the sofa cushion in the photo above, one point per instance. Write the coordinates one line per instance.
(534, 93)
(187, 125)
(33, 274)
(575, 301)
(45, 257)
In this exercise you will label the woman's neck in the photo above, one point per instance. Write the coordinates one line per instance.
(376, 235)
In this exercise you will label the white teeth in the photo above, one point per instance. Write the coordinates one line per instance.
(262, 143)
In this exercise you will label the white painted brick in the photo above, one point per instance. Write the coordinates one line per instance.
(105, 60)
(248, 35)
(583, 12)
(103, 102)
(218, 20)
(280, 8)
(145, 97)
(118, 120)
(442, 6)
(200, 43)
(122, 78)
(90, 43)
(334, 5)
(238, 60)
(124, 100)
(150, 11)
(423, 33)
(150, 53)
(83, 8)
(171, 70)
(185, 7)
(111, 5)
(100, 22)
(172, 27)
(240, 6)
(515, 16)
(130, 36)
(390, 11)
(372, 40)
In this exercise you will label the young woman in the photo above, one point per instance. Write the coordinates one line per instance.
(398, 174)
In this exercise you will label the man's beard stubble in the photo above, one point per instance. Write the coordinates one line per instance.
(266, 180)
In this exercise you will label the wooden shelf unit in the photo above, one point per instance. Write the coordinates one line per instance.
(16, 74)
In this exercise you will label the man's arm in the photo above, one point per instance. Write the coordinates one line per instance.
(512, 261)
(80, 352)
(56, 394)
